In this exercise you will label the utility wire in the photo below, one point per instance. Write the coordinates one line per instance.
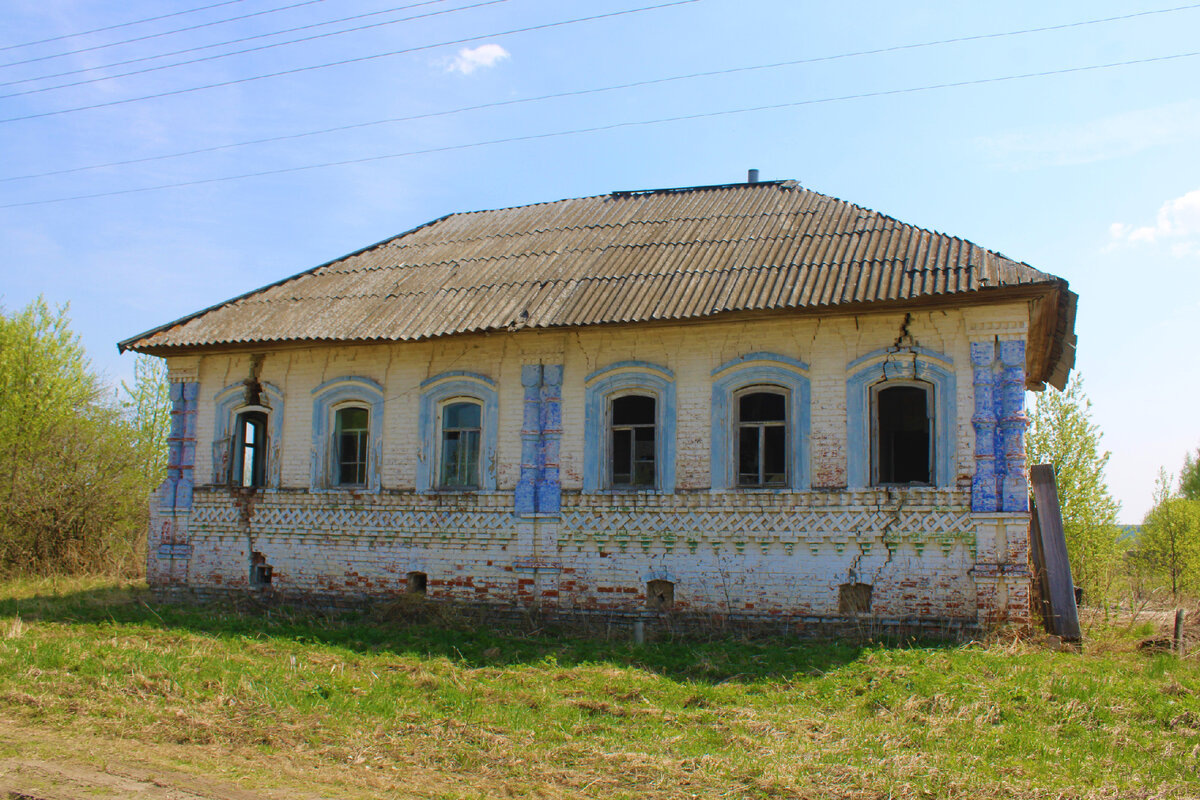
(608, 127)
(354, 60)
(259, 47)
(119, 25)
(163, 33)
(558, 95)
(222, 44)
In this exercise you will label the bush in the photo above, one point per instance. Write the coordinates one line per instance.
(74, 474)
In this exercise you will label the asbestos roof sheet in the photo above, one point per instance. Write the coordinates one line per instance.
(668, 254)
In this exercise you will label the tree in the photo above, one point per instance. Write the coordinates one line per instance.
(147, 407)
(1189, 479)
(73, 485)
(1168, 546)
(1062, 433)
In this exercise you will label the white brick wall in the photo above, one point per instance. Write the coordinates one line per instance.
(790, 573)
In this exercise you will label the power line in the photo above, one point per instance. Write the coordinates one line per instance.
(222, 44)
(260, 47)
(578, 93)
(345, 61)
(608, 127)
(120, 25)
(161, 34)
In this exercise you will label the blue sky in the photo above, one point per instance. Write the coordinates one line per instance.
(1090, 174)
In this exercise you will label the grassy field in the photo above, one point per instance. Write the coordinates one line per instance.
(408, 702)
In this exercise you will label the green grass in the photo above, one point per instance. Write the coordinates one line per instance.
(406, 701)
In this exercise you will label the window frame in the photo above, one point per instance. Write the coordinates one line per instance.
(749, 373)
(736, 437)
(329, 398)
(439, 471)
(931, 414)
(229, 404)
(438, 392)
(610, 465)
(904, 364)
(363, 447)
(237, 475)
(622, 379)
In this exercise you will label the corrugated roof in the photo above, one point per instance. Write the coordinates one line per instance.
(665, 254)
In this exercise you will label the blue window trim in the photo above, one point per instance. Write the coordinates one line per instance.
(622, 378)
(768, 370)
(230, 402)
(883, 366)
(434, 392)
(327, 398)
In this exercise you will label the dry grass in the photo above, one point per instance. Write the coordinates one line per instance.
(386, 707)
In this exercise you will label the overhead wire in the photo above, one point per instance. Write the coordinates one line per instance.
(120, 25)
(582, 92)
(161, 34)
(262, 47)
(607, 127)
(223, 44)
(345, 61)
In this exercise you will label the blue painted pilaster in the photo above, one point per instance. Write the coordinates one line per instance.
(549, 485)
(1014, 495)
(985, 495)
(525, 499)
(176, 491)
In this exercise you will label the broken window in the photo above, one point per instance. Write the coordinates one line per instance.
(762, 439)
(854, 598)
(461, 425)
(903, 427)
(632, 442)
(660, 595)
(351, 440)
(417, 581)
(260, 570)
(250, 455)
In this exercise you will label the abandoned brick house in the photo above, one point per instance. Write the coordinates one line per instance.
(751, 400)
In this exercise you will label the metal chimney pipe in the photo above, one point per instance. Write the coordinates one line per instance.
(752, 176)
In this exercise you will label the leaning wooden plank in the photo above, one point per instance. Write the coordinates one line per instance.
(1063, 611)
(1041, 586)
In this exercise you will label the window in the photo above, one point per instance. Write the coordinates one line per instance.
(631, 445)
(760, 423)
(457, 428)
(416, 583)
(247, 433)
(347, 435)
(903, 441)
(901, 417)
(660, 595)
(629, 428)
(762, 439)
(250, 456)
(461, 427)
(351, 439)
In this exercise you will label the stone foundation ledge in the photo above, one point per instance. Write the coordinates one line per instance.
(587, 622)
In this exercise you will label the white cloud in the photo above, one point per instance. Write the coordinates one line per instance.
(470, 59)
(1177, 224)
(1095, 140)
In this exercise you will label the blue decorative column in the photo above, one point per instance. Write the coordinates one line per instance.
(169, 543)
(984, 486)
(1014, 488)
(549, 485)
(525, 500)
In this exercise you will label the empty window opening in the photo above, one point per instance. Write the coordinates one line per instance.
(660, 595)
(461, 424)
(417, 581)
(260, 570)
(903, 445)
(250, 456)
(633, 442)
(854, 598)
(352, 439)
(762, 439)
